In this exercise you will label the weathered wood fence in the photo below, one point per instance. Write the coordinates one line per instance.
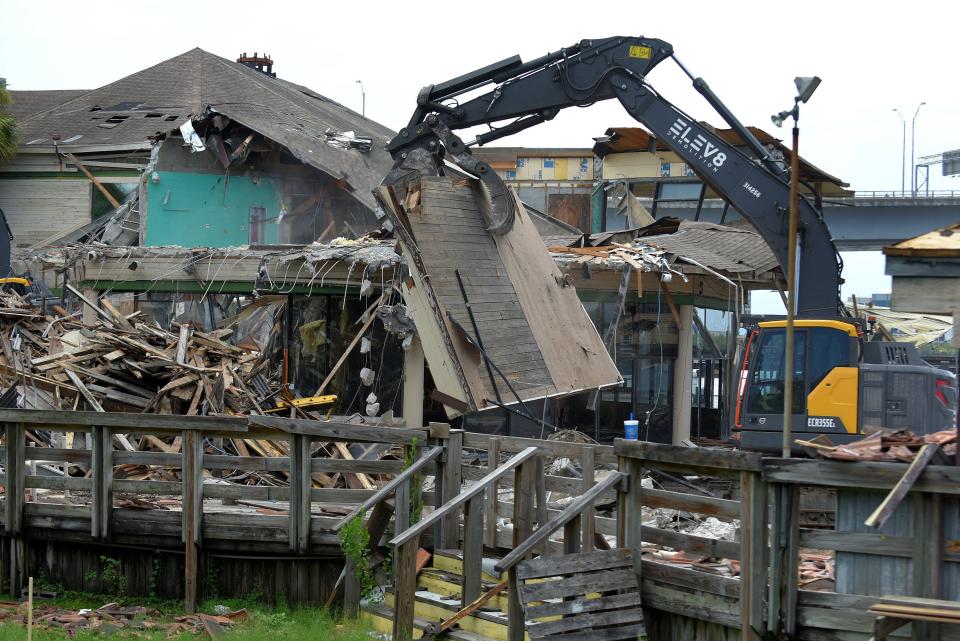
(201, 523)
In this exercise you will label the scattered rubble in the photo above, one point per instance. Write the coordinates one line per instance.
(113, 617)
(883, 445)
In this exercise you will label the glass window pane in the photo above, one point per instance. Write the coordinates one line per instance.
(680, 191)
(765, 395)
(829, 348)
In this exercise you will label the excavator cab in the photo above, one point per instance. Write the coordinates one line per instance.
(841, 384)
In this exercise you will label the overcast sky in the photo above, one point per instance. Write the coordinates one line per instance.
(872, 56)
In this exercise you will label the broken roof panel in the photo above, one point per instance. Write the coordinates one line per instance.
(502, 293)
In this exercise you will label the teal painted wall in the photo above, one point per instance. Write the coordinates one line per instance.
(208, 210)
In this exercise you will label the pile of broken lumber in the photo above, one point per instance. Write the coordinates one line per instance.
(883, 445)
(121, 362)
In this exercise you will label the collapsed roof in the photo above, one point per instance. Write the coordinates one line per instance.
(131, 113)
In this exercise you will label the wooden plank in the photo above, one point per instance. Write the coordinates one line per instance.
(559, 608)
(353, 343)
(602, 581)
(339, 431)
(490, 518)
(886, 508)
(857, 542)
(69, 421)
(586, 621)
(464, 496)
(584, 562)
(472, 548)
(96, 182)
(706, 459)
(941, 479)
(58, 483)
(699, 504)
(604, 453)
(691, 543)
(657, 572)
(89, 397)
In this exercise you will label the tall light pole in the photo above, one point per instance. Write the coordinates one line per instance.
(805, 89)
(363, 97)
(903, 155)
(913, 144)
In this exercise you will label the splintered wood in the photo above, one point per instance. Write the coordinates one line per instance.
(120, 363)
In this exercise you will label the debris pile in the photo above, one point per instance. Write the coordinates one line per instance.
(883, 445)
(122, 363)
(113, 617)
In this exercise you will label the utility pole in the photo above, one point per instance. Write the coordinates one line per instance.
(913, 145)
(903, 155)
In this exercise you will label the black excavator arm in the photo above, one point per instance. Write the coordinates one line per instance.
(593, 70)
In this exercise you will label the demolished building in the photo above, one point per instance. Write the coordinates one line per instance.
(258, 217)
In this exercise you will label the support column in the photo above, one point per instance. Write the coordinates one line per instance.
(682, 376)
(413, 391)
(89, 316)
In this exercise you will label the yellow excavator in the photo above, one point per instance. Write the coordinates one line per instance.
(842, 384)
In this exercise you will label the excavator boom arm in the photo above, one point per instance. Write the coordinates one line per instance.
(593, 70)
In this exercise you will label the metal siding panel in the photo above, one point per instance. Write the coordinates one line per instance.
(871, 574)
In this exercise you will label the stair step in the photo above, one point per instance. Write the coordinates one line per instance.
(434, 607)
(452, 561)
(380, 618)
(450, 585)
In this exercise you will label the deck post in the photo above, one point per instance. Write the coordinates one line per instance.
(14, 501)
(472, 549)
(404, 598)
(753, 554)
(524, 491)
(191, 473)
(490, 518)
(588, 526)
(101, 493)
(452, 479)
(301, 484)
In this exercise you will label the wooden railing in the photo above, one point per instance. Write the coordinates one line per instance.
(199, 521)
(470, 501)
(687, 599)
(915, 554)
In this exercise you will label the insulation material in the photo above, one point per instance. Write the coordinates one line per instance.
(527, 318)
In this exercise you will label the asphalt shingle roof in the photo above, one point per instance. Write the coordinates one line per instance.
(154, 101)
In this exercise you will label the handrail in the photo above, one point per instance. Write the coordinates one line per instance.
(568, 514)
(390, 487)
(464, 496)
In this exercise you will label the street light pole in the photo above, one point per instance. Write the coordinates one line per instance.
(913, 144)
(805, 89)
(903, 155)
(363, 97)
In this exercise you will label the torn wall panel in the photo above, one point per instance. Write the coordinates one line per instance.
(527, 318)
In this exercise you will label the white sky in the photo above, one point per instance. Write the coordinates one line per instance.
(872, 56)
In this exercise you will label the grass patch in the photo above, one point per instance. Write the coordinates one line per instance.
(265, 624)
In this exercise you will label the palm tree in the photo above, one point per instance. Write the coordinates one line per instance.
(8, 134)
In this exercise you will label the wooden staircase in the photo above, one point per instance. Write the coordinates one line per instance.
(438, 598)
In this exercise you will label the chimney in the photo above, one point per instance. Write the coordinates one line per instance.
(263, 64)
